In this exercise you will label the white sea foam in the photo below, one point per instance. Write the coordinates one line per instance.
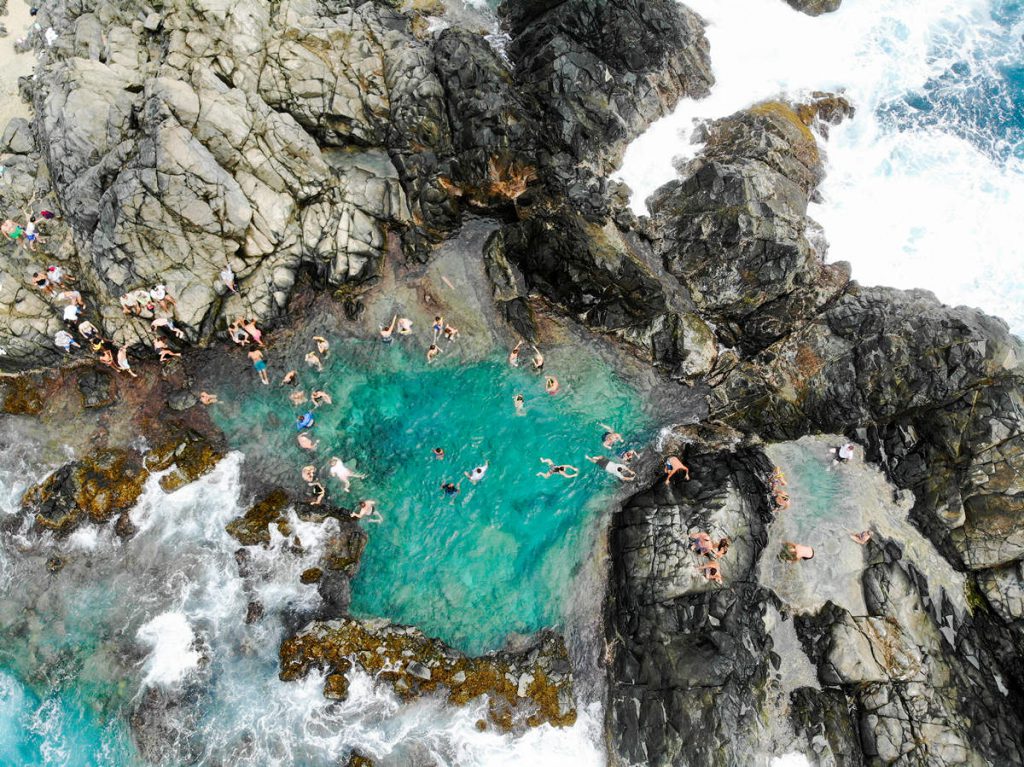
(172, 649)
(908, 207)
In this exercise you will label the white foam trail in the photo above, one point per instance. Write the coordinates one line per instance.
(172, 649)
(909, 208)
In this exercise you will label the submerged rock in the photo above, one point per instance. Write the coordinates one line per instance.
(94, 489)
(525, 688)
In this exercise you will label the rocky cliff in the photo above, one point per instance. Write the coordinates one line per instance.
(310, 141)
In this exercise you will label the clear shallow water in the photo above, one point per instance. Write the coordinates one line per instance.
(926, 184)
(81, 652)
(500, 556)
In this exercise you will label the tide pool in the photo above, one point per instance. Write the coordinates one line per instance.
(498, 557)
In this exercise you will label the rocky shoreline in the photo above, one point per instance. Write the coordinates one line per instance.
(337, 148)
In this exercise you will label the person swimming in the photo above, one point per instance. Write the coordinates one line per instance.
(314, 361)
(519, 402)
(551, 385)
(291, 378)
(343, 473)
(306, 443)
(513, 356)
(439, 453)
(538, 359)
(628, 455)
(298, 396)
(611, 437)
(450, 488)
(322, 346)
(320, 397)
(564, 470)
(478, 473)
(367, 510)
(305, 421)
(432, 352)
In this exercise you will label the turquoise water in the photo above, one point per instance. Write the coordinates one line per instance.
(498, 557)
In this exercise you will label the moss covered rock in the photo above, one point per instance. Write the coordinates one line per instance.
(94, 489)
(525, 688)
(190, 453)
(254, 528)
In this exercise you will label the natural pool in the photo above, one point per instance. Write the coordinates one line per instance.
(500, 556)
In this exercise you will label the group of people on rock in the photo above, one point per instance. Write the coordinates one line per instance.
(28, 234)
(702, 544)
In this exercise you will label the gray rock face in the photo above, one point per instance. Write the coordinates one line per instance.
(603, 71)
(815, 7)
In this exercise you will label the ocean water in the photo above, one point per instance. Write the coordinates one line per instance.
(926, 184)
(500, 556)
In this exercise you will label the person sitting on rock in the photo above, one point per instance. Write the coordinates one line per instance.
(843, 453)
(159, 294)
(862, 537)
(673, 466)
(322, 346)
(237, 334)
(168, 325)
(87, 330)
(721, 548)
(208, 399)
(42, 283)
(249, 326)
(129, 305)
(72, 297)
(451, 332)
(711, 571)
(160, 346)
(796, 552)
(57, 275)
(64, 340)
(701, 543)
(562, 470)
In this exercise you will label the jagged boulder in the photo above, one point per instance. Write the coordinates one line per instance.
(526, 687)
(94, 489)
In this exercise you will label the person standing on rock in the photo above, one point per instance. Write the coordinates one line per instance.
(42, 282)
(260, 365)
(438, 327)
(57, 275)
(13, 231)
(122, 362)
(71, 312)
(227, 276)
(673, 466)
(386, 331)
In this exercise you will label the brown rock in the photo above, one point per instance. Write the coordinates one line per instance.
(254, 527)
(312, 575)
